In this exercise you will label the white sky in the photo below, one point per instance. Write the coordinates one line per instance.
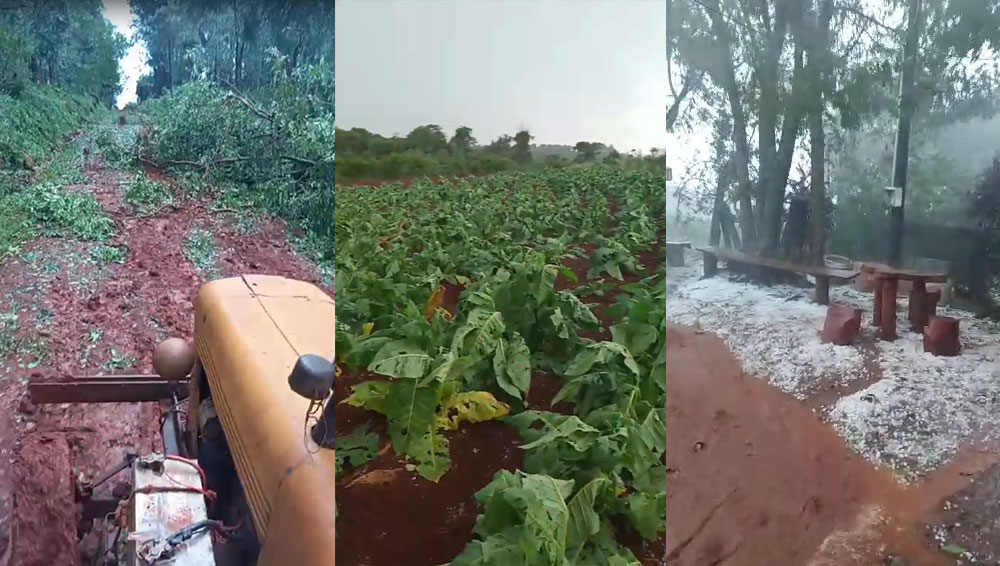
(133, 65)
(567, 70)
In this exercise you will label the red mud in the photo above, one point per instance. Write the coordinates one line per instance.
(133, 305)
(756, 478)
(389, 516)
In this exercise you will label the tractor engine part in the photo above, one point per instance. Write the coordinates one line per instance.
(173, 358)
(167, 520)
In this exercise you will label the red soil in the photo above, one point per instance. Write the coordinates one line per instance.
(756, 478)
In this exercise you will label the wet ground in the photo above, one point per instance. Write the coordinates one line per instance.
(875, 454)
(85, 315)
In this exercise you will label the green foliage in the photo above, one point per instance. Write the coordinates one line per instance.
(62, 214)
(148, 196)
(275, 149)
(64, 43)
(116, 145)
(365, 156)
(241, 43)
(355, 449)
(109, 254)
(540, 520)
(14, 72)
(502, 238)
(36, 121)
(199, 246)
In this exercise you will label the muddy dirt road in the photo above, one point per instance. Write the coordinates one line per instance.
(757, 478)
(70, 311)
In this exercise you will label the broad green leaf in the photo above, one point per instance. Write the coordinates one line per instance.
(370, 395)
(411, 410)
(648, 513)
(583, 520)
(500, 549)
(431, 452)
(356, 449)
(582, 363)
(573, 431)
(614, 271)
(513, 367)
(400, 359)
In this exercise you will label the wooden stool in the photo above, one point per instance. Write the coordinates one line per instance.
(842, 325)
(941, 337)
(675, 253)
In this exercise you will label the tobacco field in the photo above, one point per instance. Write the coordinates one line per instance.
(501, 369)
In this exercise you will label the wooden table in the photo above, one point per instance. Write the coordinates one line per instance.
(887, 284)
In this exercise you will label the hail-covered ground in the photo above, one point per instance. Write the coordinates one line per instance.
(898, 406)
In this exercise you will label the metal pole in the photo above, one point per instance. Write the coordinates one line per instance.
(906, 107)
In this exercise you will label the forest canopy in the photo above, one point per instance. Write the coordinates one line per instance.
(801, 102)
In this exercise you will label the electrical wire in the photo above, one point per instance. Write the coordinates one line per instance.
(315, 408)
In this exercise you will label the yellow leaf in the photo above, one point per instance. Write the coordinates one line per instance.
(366, 329)
(471, 407)
(463, 280)
(434, 303)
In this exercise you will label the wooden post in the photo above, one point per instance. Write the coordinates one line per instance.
(711, 264)
(877, 311)
(889, 286)
(675, 255)
(822, 289)
(918, 306)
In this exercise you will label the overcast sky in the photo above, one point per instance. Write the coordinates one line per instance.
(133, 65)
(568, 70)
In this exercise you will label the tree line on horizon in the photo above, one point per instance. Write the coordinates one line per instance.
(429, 150)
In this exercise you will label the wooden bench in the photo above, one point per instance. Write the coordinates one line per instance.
(823, 274)
(675, 253)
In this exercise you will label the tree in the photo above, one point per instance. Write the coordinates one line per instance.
(428, 139)
(522, 146)
(798, 75)
(587, 151)
(462, 141)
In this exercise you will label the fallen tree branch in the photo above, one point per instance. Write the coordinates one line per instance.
(245, 100)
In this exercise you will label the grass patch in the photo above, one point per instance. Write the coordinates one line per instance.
(148, 196)
(116, 145)
(45, 209)
(109, 254)
(199, 246)
(120, 361)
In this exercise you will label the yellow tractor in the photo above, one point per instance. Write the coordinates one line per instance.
(247, 477)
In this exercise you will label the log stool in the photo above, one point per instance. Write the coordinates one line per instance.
(842, 325)
(941, 336)
(675, 253)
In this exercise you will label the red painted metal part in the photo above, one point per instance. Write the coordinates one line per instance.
(107, 389)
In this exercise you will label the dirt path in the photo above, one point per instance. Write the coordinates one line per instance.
(757, 478)
(84, 315)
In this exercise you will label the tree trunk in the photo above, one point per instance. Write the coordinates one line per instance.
(723, 180)
(767, 126)
(744, 189)
(786, 150)
(816, 68)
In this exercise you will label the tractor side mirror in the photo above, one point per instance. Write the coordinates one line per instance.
(312, 378)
